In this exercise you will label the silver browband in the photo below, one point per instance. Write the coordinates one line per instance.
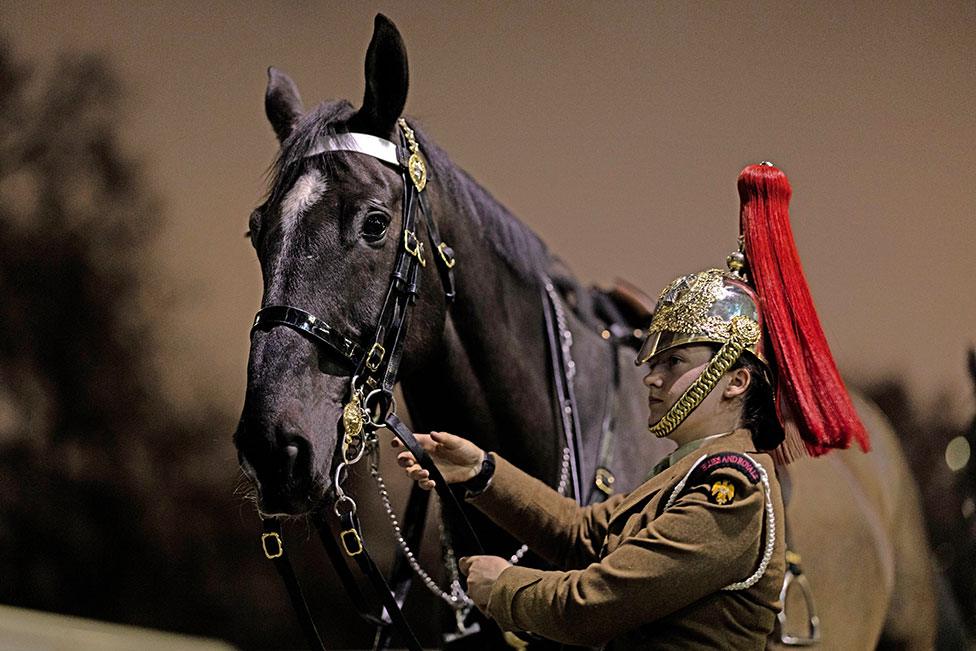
(359, 142)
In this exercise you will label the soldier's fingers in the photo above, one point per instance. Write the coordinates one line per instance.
(405, 459)
(425, 441)
(417, 473)
(464, 564)
(447, 440)
(426, 484)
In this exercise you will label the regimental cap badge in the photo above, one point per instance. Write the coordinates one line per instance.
(722, 492)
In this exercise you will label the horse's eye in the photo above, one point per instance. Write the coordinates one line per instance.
(374, 226)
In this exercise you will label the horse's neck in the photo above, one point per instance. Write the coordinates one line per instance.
(489, 380)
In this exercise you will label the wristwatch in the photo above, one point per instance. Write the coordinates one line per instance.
(480, 482)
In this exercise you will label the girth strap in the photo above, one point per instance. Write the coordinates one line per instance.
(562, 377)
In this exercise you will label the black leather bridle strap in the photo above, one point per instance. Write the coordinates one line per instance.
(352, 540)
(274, 549)
(444, 491)
(311, 326)
(328, 539)
(443, 254)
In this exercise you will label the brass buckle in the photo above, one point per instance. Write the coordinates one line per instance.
(450, 262)
(358, 549)
(418, 247)
(375, 356)
(604, 480)
(279, 551)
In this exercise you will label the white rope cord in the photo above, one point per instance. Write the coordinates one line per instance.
(770, 518)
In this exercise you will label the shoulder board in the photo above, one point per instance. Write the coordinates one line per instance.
(735, 460)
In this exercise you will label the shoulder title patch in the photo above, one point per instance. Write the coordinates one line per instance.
(728, 460)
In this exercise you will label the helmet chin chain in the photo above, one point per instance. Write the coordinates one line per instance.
(743, 332)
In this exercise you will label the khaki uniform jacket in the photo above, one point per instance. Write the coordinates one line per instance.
(639, 576)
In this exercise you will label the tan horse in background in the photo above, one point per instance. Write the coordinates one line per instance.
(856, 521)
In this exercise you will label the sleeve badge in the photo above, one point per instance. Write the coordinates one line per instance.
(722, 492)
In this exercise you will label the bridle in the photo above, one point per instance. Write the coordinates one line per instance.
(373, 368)
(374, 365)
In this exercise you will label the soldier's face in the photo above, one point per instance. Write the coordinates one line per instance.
(669, 374)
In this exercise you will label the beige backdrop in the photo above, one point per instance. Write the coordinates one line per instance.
(616, 131)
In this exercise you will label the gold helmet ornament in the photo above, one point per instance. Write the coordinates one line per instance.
(761, 307)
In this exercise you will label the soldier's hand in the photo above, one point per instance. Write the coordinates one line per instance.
(457, 458)
(482, 572)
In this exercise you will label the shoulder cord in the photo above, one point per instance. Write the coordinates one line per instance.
(770, 518)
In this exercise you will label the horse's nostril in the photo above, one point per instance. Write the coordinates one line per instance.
(291, 454)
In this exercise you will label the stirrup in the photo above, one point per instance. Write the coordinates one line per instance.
(794, 574)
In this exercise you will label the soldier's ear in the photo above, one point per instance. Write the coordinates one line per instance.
(737, 383)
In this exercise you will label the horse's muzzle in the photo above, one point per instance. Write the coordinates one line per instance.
(283, 477)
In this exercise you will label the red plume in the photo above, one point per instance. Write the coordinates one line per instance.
(812, 402)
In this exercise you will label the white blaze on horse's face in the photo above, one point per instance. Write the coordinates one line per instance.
(307, 190)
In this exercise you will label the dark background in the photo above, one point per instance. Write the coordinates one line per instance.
(133, 147)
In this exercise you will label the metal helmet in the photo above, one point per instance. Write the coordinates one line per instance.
(811, 402)
(711, 306)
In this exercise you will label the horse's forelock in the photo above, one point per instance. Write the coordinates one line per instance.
(290, 163)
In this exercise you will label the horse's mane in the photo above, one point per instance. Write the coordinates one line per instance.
(510, 239)
(513, 242)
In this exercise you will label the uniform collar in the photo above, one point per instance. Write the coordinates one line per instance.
(689, 447)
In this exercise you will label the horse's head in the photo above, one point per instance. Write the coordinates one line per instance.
(327, 238)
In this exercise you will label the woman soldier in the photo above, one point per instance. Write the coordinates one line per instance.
(695, 556)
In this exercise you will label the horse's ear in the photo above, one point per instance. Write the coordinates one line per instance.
(387, 78)
(282, 104)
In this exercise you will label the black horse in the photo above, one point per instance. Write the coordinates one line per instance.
(326, 238)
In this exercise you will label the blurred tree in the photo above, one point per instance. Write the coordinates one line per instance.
(114, 504)
(78, 388)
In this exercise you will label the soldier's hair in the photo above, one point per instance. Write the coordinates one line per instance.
(759, 409)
